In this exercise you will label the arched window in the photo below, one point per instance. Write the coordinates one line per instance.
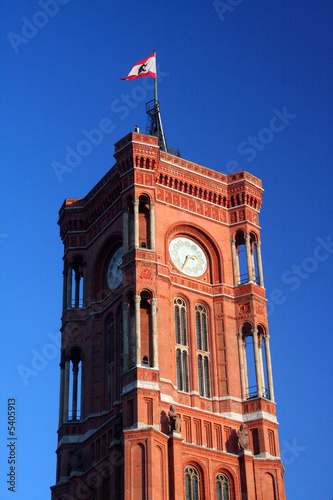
(146, 329)
(263, 362)
(192, 483)
(110, 368)
(201, 329)
(249, 361)
(111, 340)
(73, 395)
(180, 321)
(241, 261)
(222, 487)
(73, 284)
(180, 316)
(144, 222)
(119, 353)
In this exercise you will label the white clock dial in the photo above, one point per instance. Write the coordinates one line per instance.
(115, 274)
(188, 256)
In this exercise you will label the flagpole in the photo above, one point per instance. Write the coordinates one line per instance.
(158, 109)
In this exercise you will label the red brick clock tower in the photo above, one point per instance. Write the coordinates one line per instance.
(166, 388)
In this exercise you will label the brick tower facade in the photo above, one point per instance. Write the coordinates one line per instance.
(166, 388)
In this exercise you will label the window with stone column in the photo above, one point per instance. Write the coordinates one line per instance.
(111, 361)
(254, 257)
(201, 330)
(247, 362)
(246, 258)
(119, 352)
(192, 483)
(73, 288)
(144, 222)
(239, 258)
(131, 332)
(146, 329)
(73, 386)
(254, 382)
(181, 338)
(262, 360)
(222, 487)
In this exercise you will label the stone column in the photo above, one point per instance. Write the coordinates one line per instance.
(246, 379)
(259, 264)
(137, 300)
(125, 336)
(69, 286)
(237, 268)
(77, 289)
(74, 401)
(241, 364)
(248, 257)
(269, 367)
(125, 229)
(82, 388)
(66, 391)
(152, 225)
(257, 362)
(261, 367)
(154, 329)
(136, 222)
(234, 262)
(64, 292)
(61, 399)
(84, 286)
(253, 266)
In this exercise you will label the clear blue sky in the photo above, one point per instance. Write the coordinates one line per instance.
(222, 75)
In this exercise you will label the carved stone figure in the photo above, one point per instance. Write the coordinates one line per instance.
(243, 437)
(175, 421)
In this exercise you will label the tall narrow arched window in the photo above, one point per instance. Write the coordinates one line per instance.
(181, 339)
(222, 487)
(119, 349)
(130, 234)
(144, 222)
(73, 284)
(146, 329)
(201, 330)
(241, 259)
(110, 367)
(73, 386)
(192, 483)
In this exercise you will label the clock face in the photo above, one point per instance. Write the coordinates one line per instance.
(188, 256)
(115, 274)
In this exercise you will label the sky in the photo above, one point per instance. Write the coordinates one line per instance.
(225, 71)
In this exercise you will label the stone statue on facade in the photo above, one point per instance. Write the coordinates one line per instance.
(175, 420)
(243, 437)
